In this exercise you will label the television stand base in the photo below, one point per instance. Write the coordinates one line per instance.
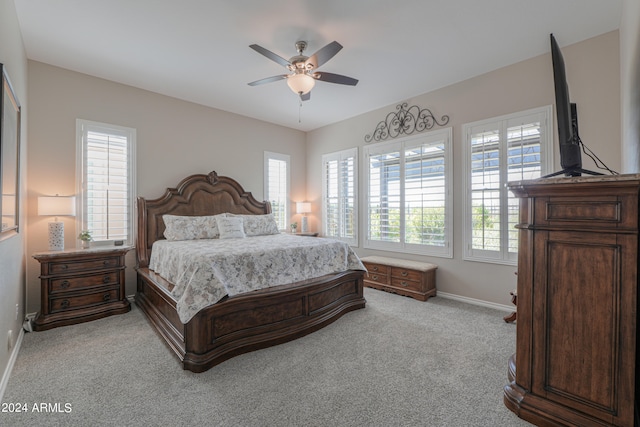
(572, 172)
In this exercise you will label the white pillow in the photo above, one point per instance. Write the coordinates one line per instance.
(258, 225)
(190, 227)
(230, 227)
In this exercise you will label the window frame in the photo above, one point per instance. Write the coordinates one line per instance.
(443, 136)
(82, 129)
(268, 155)
(340, 157)
(502, 124)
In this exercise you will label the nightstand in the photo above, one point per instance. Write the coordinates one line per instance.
(309, 234)
(81, 285)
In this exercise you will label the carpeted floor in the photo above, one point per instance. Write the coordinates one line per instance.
(398, 362)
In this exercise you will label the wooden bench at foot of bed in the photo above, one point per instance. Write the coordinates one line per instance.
(250, 321)
(409, 278)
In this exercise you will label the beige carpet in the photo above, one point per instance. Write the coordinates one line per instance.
(398, 362)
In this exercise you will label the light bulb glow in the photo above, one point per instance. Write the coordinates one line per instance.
(301, 83)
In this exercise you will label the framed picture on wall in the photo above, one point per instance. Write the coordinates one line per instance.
(9, 156)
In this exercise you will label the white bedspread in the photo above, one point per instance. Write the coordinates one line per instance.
(204, 271)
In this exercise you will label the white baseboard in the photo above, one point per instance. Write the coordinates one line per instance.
(12, 361)
(501, 307)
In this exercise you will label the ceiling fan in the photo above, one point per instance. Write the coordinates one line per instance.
(302, 76)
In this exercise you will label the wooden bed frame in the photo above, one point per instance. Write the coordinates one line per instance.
(241, 323)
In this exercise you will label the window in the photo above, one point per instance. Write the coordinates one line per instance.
(276, 186)
(339, 196)
(409, 195)
(105, 181)
(509, 148)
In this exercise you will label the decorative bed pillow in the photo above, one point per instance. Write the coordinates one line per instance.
(190, 227)
(258, 225)
(231, 227)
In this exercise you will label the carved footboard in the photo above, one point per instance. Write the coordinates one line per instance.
(244, 322)
(249, 321)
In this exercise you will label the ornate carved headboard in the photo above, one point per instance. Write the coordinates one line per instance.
(196, 195)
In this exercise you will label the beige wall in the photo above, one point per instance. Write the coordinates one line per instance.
(174, 139)
(12, 249)
(593, 74)
(630, 84)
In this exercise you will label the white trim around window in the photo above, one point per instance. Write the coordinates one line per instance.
(409, 204)
(105, 182)
(277, 185)
(340, 196)
(513, 147)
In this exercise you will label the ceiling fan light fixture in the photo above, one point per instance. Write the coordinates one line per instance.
(301, 83)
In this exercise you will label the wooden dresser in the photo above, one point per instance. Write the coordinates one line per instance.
(81, 285)
(576, 347)
(409, 278)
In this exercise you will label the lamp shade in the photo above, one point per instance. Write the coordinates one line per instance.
(57, 205)
(301, 83)
(303, 207)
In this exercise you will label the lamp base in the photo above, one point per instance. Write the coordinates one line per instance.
(56, 236)
(305, 225)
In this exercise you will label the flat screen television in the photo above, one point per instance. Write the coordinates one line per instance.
(567, 118)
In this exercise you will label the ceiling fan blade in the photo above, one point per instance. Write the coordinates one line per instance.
(272, 56)
(335, 78)
(324, 54)
(305, 96)
(268, 80)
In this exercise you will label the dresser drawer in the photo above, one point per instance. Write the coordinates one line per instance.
(85, 265)
(82, 301)
(84, 282)
(612, 212)
(405, 274)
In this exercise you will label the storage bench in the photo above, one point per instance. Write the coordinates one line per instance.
(409, 278)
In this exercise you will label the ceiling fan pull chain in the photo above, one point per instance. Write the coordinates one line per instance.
(300, 111)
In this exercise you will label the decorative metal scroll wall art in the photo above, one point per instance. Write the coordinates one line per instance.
(405, 121)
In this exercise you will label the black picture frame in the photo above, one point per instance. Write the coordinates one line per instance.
(10, 115)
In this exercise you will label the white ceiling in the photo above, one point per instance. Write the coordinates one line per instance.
(197, 50)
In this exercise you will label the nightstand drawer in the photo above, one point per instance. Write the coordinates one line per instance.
(92, 264)
(404, 274)
(83, 282)
(81, 285)
(82, 301)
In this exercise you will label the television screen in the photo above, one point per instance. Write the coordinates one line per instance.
(566, 114)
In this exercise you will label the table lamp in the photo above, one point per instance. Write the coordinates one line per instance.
(304, 208)
(56, 206)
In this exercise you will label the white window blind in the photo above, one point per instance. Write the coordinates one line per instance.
(106, 181)
(425, 194)
(409, 195)
(339, 199)
(509, 148)
(277, 186)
